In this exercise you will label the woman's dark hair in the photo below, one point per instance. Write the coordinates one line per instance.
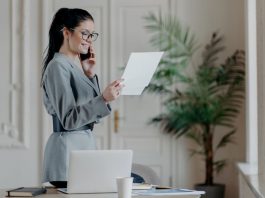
(64, 17)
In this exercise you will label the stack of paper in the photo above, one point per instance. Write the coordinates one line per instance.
(141, 186)
(174, 191)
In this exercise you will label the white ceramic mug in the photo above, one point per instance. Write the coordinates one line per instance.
(124, 187)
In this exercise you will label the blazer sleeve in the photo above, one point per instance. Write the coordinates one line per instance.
(94, 80)
(59, 91)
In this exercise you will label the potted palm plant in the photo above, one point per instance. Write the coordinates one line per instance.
(199, 98)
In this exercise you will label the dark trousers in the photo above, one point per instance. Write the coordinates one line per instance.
(59, 184)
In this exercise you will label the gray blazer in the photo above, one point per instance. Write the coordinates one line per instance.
(76, 100)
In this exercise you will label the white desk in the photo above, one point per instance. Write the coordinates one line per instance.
(53, 193)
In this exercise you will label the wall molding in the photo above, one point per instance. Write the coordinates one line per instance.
(16, 132)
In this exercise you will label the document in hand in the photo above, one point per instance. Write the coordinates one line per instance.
(139, 71)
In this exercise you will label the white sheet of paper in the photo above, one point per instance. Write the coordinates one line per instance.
(139, 71)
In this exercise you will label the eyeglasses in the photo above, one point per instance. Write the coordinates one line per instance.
(86, 35)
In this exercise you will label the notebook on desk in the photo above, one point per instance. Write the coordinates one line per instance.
(96, 171)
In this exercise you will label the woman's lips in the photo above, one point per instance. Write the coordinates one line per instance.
(85, 45)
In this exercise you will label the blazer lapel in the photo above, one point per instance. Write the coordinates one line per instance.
(85, 78)
(80, 73)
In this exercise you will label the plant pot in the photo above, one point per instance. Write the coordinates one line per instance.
(212, 191)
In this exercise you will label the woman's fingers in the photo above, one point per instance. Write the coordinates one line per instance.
(113, 90)
(89, 63)
(119, 87)
(116, 82)
(92, 61)
(92, 49)
(92, 58)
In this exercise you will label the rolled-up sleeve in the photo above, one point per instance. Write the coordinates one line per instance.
(60, 93)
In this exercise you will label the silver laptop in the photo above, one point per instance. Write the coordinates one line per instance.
(95, 171)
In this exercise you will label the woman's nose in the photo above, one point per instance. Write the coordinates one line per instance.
(89, 39)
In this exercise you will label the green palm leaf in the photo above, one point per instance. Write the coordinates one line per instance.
(210, 95)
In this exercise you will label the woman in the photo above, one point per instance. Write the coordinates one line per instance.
(71, 92)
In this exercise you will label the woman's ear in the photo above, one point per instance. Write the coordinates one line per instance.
(66, 33)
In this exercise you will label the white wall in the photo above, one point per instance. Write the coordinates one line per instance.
(22, 167)
(261, 93)
(205, 17)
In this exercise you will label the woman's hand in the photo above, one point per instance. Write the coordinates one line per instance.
(113, 90)
(88, 64)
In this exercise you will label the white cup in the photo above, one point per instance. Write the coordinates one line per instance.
(124, 187)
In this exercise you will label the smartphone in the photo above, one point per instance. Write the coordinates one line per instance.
(85, 56)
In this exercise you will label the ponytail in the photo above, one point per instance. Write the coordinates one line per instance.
(64, 17)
